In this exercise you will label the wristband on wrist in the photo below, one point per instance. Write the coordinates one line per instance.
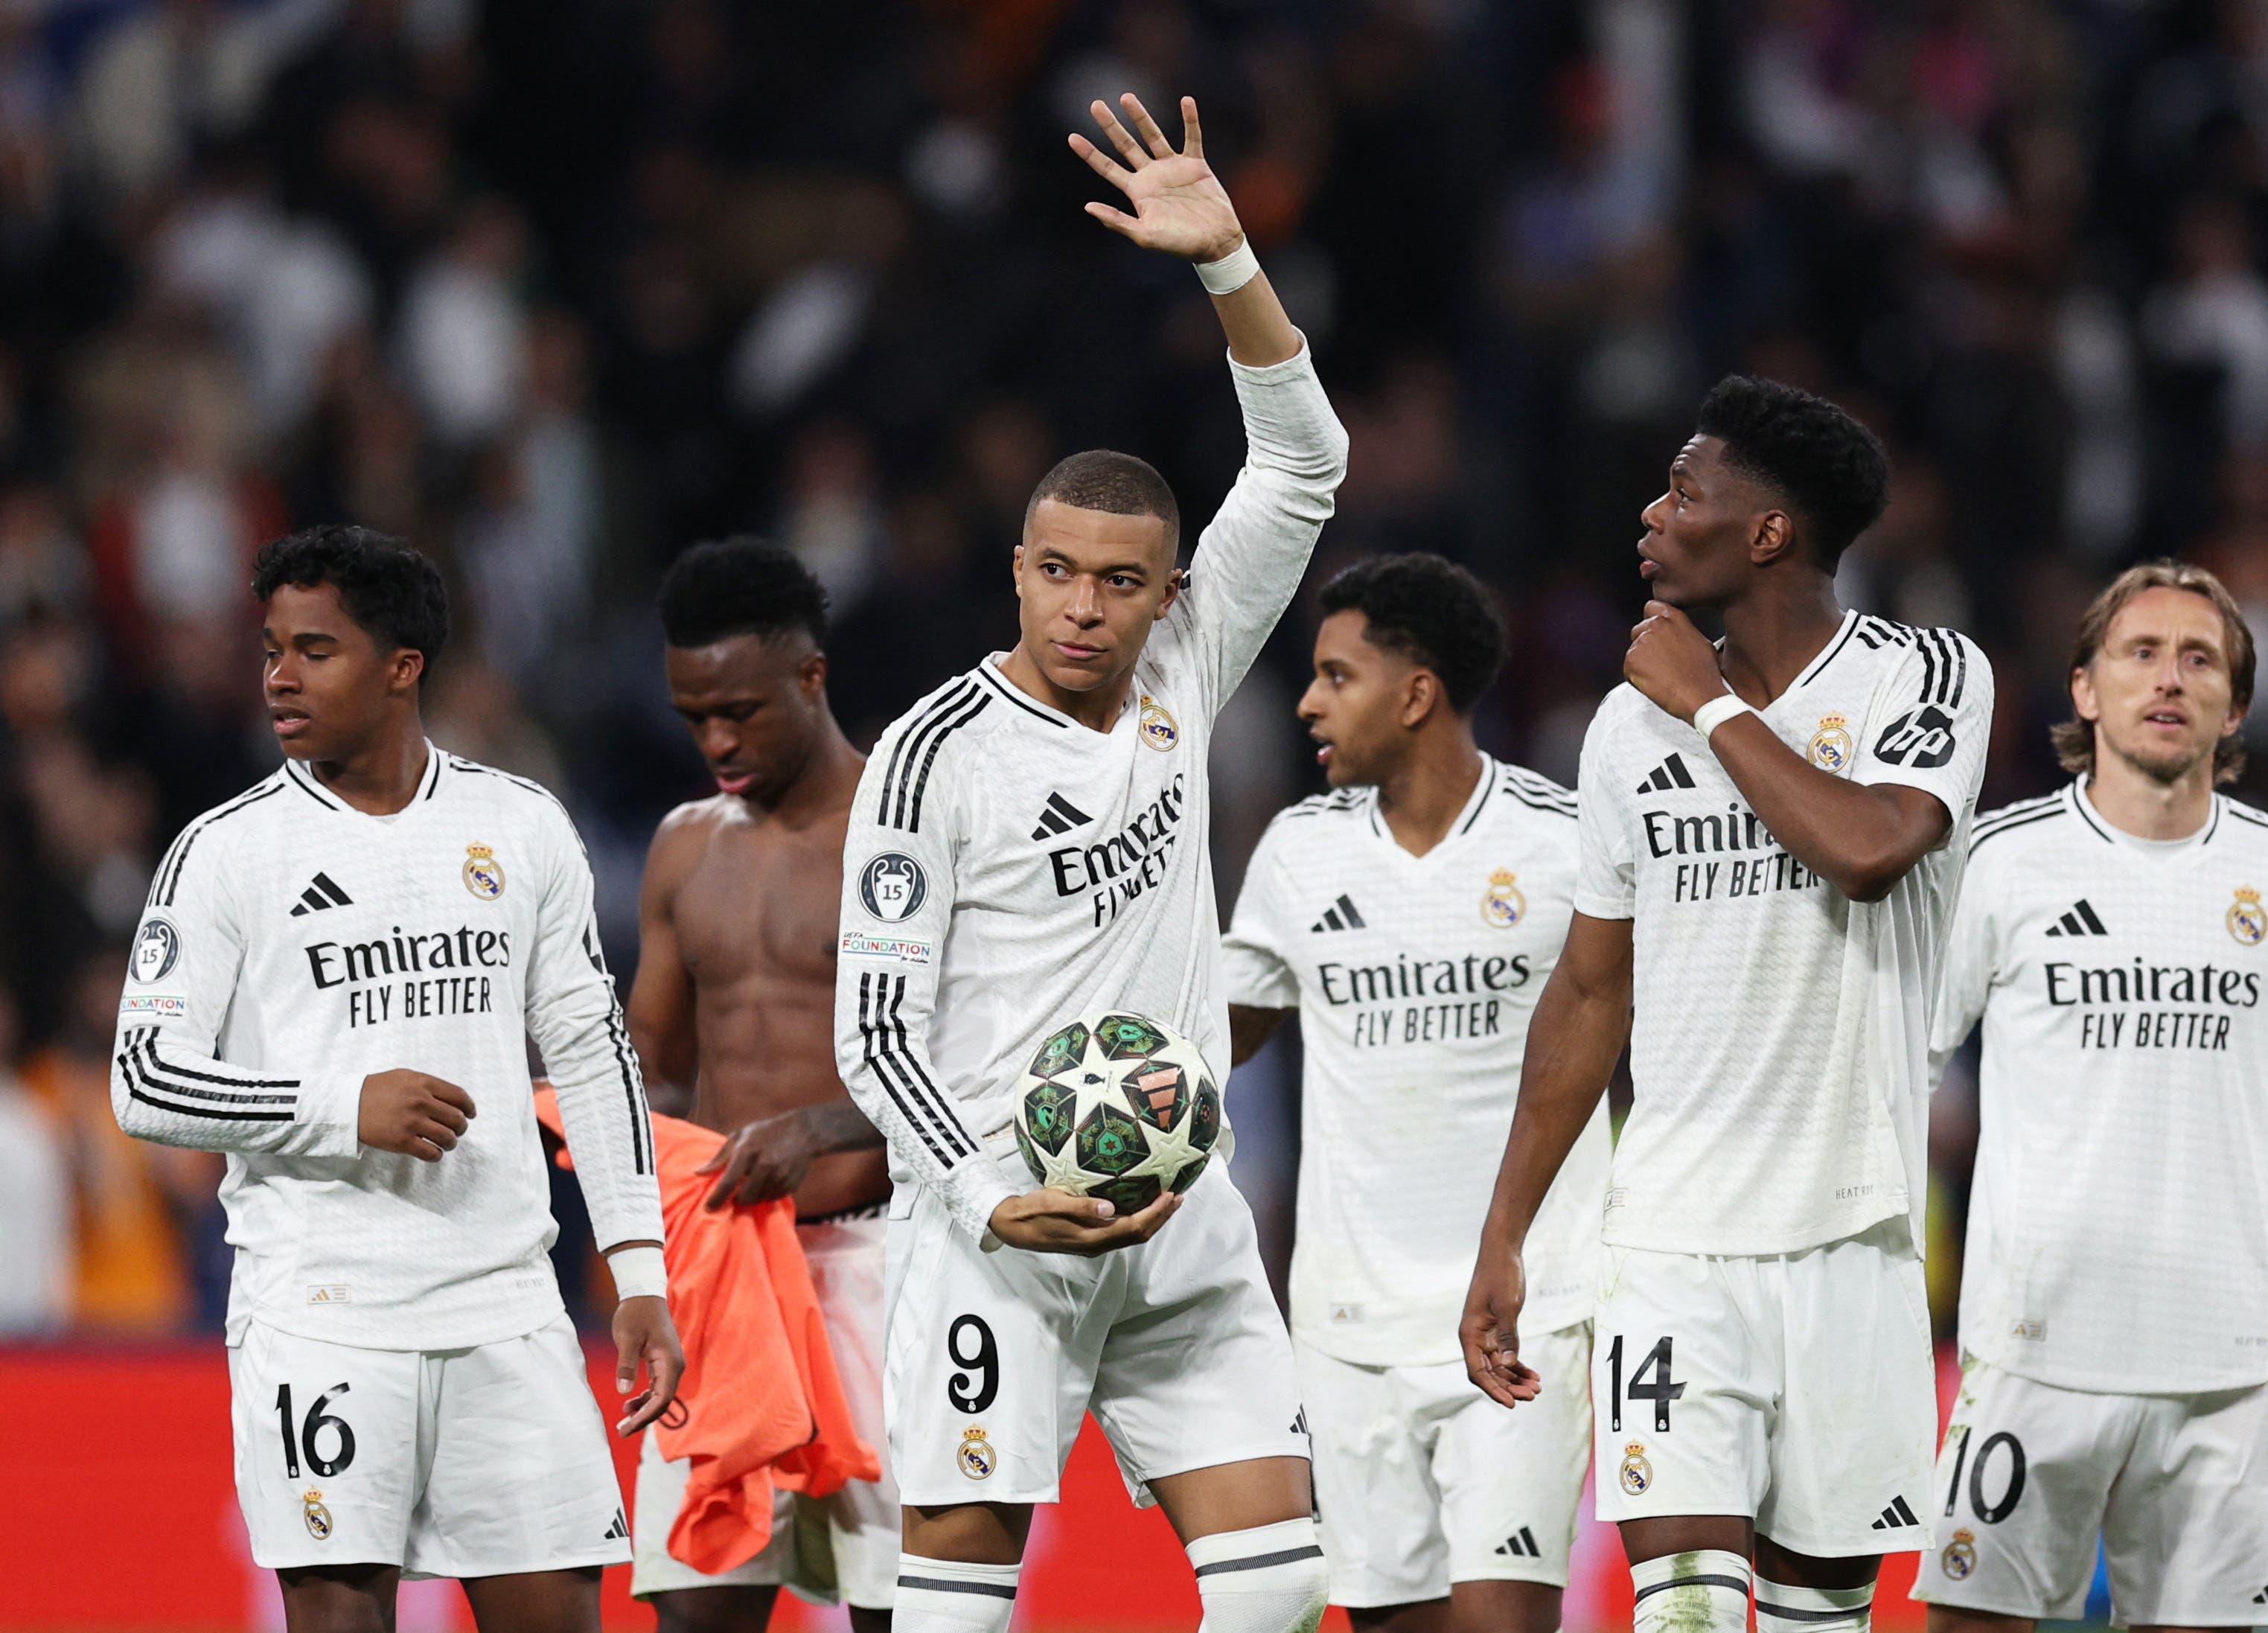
(1231, 272)
(638, 1273)
(1717, 710)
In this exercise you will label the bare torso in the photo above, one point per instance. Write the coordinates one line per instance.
(746, 905)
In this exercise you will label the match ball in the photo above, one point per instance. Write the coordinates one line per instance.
(1119, 1107)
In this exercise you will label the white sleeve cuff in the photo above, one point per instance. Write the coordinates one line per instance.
(330, 1111)
(973, 1190)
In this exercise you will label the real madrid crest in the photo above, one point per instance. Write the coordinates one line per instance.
(483, 873)
(1830, 745)
(1502, 906)
(318, 1517)
(1157, 726)
(2248, 920)
(976, 1457)
(1638, 1473)
(1960, 1557)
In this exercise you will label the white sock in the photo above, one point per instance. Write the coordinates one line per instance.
(1781, 1608)
(1708, 1588)
(1267, 1579)
(946, 1596)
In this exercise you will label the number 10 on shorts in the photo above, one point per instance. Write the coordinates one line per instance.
(1651, 1381)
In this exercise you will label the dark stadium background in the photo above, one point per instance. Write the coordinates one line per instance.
(555, 289)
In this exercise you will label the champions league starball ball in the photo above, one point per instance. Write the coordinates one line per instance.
(1119, 1107)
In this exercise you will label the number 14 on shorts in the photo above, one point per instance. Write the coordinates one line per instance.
(1650, 1380)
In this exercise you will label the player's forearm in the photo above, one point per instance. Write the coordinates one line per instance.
(837, 1126)
(175, 1093)
(1576, 1036)
(603, 1108)
(1260, 332)
(1861, 838)
(881, 1051)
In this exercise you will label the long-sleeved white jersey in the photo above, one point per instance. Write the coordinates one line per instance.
(1006, 868)
(293, 945)
(2118, 1227)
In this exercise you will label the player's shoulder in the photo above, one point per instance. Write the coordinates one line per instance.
(1523, 790)
(1953, 665)
(210, 834)
(1320, 813)
(2012, 833)
(947, 720)
(507, 791)
(2244, 825)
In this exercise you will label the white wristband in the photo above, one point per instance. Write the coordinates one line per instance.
(1231, 272)
(638, 1273)
(1717, 710)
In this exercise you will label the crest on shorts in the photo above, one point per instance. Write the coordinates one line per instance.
(1831, 744)
(976, 1457)
(1959, 1559)
(1636, 1473)
(1157, 726)
(2248, 920)
(1502, 906)
(483, 873)
(318, 1517)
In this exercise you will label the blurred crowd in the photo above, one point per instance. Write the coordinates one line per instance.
(556, 287)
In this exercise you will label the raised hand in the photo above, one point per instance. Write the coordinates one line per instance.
(1179, 206)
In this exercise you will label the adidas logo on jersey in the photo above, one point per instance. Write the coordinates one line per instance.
(1671, 773)
(2261, 1597)
(620, 1530)
(2080, 921)
(1521, 1547)
(1339, 915)
(1896, 1517)
(320, 897)
(1060, 816)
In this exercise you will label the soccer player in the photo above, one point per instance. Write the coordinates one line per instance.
(1409, 918)
(1772, 832)
(1028, 844)
(335, 971)
(733, 1007)
(2114, 1299)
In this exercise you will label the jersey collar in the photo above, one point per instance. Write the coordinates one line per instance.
(2081, 807)
(1467, 818)
(306, 781)
(988, 672)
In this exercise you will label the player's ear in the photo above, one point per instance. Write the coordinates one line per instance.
(409, 669)
(1773, 538)
(1016, 570)
(2082, 696)
(1173, 593)
(1421, 693)
(811, 675)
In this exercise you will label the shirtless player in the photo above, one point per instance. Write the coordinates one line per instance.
(733, 1011)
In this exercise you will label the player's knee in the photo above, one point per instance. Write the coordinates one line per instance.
(732, 1610)
(1701, 1588)
(1267, 1579)
(949, 1596)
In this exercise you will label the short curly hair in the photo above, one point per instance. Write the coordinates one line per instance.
(388, 587)
(1431, 612)
(1119, 483)
(739, 585)
(1832, 470)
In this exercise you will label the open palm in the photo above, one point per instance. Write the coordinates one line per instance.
(1179, 206)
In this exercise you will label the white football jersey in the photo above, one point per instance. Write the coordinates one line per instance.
(1779, 1043)
(2119, 1218)
(293, 945)
(1414, 977)
(1008, 869)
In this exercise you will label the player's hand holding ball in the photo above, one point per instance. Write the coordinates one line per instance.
(412, 1113)
(1672, 662)
(1116, 1117)
(1179, 206)
(1490, 1329)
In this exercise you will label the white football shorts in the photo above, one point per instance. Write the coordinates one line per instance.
(1798, 1389)
(1421, 1480)
(1175, 1345)
(479, 1462)
(2176, 1485)
(840, 1549)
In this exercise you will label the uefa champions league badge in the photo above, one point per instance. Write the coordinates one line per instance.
(976, 1458)
(893, 887)
(1636, 1473)
(318, 1517)
(483, 873)
(158, 948)
(1830, 745)
(2248, 921)
(1158, 729)
(1959, 1559)
(1502, 906)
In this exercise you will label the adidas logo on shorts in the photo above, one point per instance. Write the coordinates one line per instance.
(619, 1531)
(1896, 1517)
(1521, 1546)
